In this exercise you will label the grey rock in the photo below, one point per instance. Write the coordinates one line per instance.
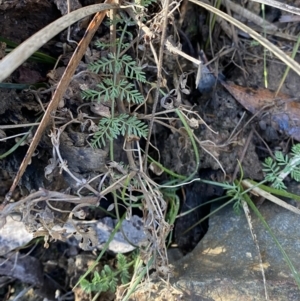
(95, 234)
(27, 269)
(133, 230)
(83, 159)
(13, 235)
(225, 265)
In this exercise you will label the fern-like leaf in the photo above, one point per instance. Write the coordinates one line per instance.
(122, 267)
(295, 174)
(86, 285)
(104, 64)
(121, 261)
(108, 92)
(281, 159)
(271, 169)
(128, 94)
(91, 95)
(111, 128)
(296, 150)
(278, 184)
(237, 207)
(112, 64)
(131, 69)
(102, 45)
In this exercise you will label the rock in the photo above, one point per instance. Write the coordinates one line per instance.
(27, 269)
(133, 229)
(95, 234)
(13, 235)
(82, 159)
(225, 265)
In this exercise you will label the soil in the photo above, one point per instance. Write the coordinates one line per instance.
(222, 135)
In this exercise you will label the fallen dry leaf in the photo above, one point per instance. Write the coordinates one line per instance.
(283, 113)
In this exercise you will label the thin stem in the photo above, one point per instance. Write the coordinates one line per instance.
(159, 75)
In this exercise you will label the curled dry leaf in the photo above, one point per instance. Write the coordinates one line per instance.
(81, 214)
(183, 84)
(128, 213)
(171, 100)
(92, 128)
(193, 123)
(50, 167)
(155, 169)
(183, 132)
(111, 207)
(100, 109)
(132, 138)
(167, 102)
(119, 167)
(184, 139)
(83, 87)
(282, 111)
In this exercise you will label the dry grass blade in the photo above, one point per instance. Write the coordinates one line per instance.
(283, 6)
(13, 60)
(248, 217)
(270, 197)
(264, 42)
(250, 15)
(61, 88)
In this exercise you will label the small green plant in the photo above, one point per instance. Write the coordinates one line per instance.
(283, 165)
(111, 128)
(117, 86)
(108, 279)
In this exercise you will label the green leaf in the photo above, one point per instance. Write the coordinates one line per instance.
(278, 184)
(96, 277)
(113, 284)
(296, 174)
(85, 285)
(281, 158)
(111, 128)
(121, 261)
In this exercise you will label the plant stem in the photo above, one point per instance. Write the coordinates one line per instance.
(276, 191)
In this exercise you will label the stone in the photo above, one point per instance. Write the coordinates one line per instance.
(13, 235)
(225, 264)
